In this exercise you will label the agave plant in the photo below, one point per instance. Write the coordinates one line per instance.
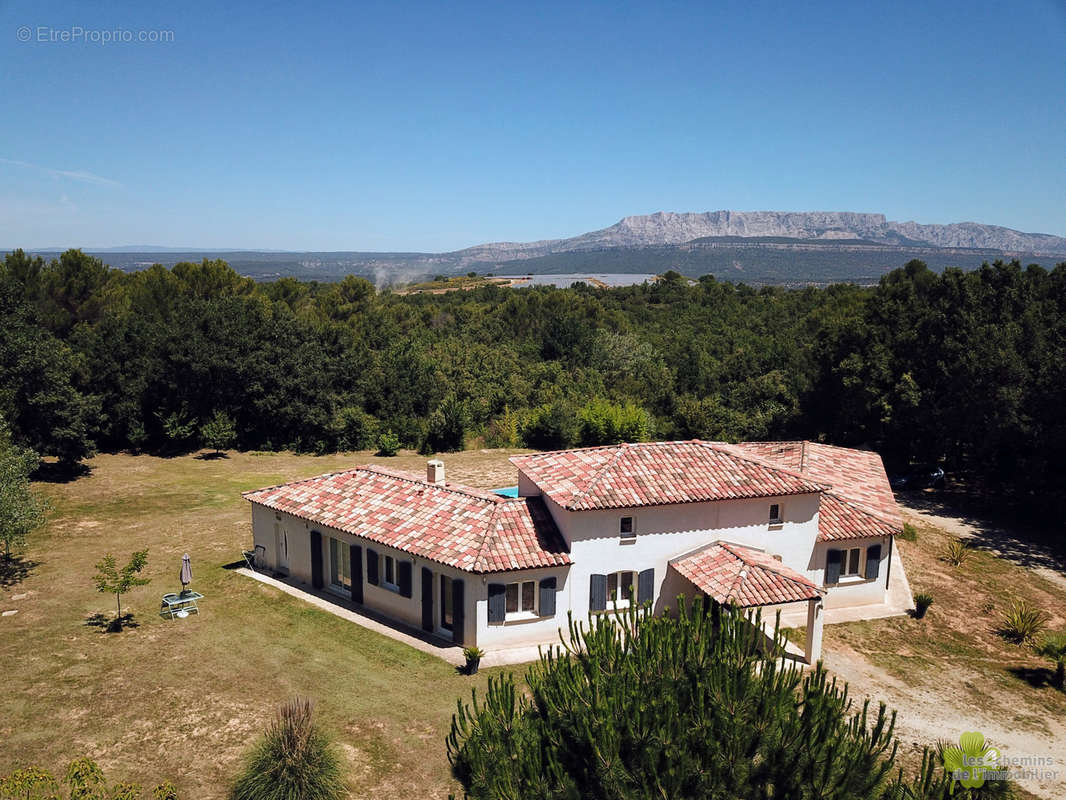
(1023, 622)
(922, 601)
(957, 552)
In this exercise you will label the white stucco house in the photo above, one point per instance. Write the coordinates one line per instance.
(757, 524)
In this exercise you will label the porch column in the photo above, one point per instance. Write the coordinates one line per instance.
(813, 648)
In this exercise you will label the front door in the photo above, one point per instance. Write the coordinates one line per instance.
(281, 548)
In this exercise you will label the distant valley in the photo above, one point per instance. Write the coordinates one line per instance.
(762, 247)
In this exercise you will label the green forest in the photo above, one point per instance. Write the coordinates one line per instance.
(966, 369)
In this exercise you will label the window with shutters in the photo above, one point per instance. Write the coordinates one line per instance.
(851, 562)
(521, 600)
(621, 587)
(388, 570)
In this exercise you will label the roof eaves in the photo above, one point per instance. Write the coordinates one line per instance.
(894, 524)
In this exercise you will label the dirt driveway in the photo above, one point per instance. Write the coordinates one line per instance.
(938, 696)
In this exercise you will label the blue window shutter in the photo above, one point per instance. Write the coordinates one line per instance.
(458, 611)
(403, 577)
(598, 592)
(646, 586)
(832, 566)
(873, 561)
(371, 567)
(316, 559)
(546, 602)
(355, 555)
(427, 599)
(497, 602)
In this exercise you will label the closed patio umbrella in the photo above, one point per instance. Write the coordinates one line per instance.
(186, 572)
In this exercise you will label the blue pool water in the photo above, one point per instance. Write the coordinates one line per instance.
(506, 491)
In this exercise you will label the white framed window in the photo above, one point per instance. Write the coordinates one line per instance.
(388, 572)
(521, 599)
(621, 588)
(775, 514)
(627, 529)
(340, 565)
(851, 562)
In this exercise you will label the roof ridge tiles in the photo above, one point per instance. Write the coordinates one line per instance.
(621, 448)
(299, 481)
(413, 477)
(738, 452)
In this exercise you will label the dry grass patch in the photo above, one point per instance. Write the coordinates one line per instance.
(956, 649)
(182, 700)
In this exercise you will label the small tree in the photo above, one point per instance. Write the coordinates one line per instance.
(111, 580)
(177, 427)
(388, 444)
(295, 760)
(22, 510)
(219, 432)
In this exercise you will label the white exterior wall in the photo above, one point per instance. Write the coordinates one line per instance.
(666, 532)
(857, 591)
(518, 632)
(407, 610)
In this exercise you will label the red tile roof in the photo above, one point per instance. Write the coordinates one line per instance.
(859, 502)
(743, 576)
(454, 525)
(657, 473)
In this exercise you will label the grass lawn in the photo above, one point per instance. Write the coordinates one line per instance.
(182, 700)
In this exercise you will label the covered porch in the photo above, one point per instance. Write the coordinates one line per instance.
(732, 574)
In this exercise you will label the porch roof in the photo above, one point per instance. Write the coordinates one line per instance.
(742, 576)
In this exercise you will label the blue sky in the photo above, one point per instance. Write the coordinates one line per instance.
(434, 126)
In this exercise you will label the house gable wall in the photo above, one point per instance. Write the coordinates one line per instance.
(666, 532)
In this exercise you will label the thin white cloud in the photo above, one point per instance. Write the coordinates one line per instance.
(70, 174)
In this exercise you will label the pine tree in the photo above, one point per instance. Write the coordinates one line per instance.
(640, 706)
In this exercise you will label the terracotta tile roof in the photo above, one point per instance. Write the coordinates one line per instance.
(731, 573)
(859, 502)
(657, 473)
(454, 525)
(840, 519)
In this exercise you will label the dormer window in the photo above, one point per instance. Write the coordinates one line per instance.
(775, 514)
(627, 532)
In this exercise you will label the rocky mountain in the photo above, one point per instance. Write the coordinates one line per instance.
(669, 228)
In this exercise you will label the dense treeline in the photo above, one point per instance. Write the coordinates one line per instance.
(967, 368)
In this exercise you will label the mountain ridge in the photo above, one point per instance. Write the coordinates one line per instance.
(676, 228)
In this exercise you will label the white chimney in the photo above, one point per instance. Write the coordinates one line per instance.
(435, 471)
